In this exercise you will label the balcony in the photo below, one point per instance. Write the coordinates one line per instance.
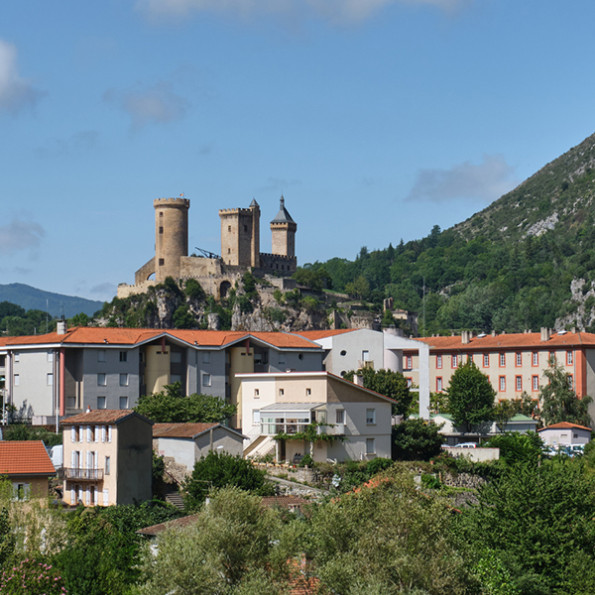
(367, 363)
(83, 474)
(331, 429)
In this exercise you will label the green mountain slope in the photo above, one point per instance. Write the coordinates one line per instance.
(56, 304)
(526, 261)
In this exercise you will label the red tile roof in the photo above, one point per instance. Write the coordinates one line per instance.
(509, 341)
(181, 430)
(565, 425)
(132, 336)
(101, 416)
(24, 457)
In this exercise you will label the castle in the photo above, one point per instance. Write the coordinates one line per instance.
(240, 249)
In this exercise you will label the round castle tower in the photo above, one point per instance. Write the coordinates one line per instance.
(171, 236)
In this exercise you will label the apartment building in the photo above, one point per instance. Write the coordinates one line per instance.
(514, 363)
(107, 458)
(65, 372)
(354, 422)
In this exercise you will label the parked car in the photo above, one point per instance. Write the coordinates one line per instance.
(467, 445)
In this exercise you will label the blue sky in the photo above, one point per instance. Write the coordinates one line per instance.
(376, 119)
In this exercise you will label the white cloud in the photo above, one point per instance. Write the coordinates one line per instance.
(332, 10)
(16, 93)
(155, 105)
(20, 235)
(484, 182)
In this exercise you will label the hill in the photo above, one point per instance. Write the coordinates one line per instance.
(55, 304)
(526, 261)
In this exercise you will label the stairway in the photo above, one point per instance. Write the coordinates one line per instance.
(175, 499)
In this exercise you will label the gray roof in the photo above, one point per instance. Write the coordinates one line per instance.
(283, 215)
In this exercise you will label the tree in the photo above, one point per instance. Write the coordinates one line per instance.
(558, 402)
(538, 522)
(416, 440)
(518, 448)
(470, 396)
(223, 470)
(229, 549)
(171, 406)
(387, 383)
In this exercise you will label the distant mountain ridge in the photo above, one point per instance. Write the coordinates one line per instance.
(55, 304)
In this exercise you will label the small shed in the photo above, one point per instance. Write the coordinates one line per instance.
(565, 434)
(186, 443)
(28, 466)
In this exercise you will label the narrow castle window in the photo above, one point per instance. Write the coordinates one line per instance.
(161, 262)
(160, 229)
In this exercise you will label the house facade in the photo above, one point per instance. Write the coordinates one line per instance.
(107, 458)
(514, 363)
(27, 465)
(565, 434)
(294, 414)
(65, 372)
(186, 443)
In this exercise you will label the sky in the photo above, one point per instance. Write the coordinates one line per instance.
(375, 119)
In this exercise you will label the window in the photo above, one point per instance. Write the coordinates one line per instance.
(439, 361)
(123, 403)
(101, 402)
(101, 355)
(17, 357)
(370, 416)
(109, 433)
(502, 383)
(518, 383)
(105, 496)
(408, 363)
(50, 356)
(107, 465)
(454, 361)
(49, 379)
(90, 438)
(229, 228)
(370, 446)
(101, 380)
(123, 379)
(535, 383)
(535, 358)
(161, 262)
(343, 352)
(21, 491)
(365, 355)
(518, 359)
(486, 360)
(339, 416)
(552, 357)
(256, 393)
(502, 360)
(569, 358)
(206, 357)
(439, 384)
(74, 434)
(409, 381)
(160, 229)
(17, 379)
(206, 380)
(123, 356)
(570, 381)
(255, 417)
(281, 392)
(308, 392)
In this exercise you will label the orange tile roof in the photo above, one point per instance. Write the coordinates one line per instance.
(509, 341)
(314, 335)
(565, 425)
(181, 430)
(24, 457)
(133, 336)
(101, 416)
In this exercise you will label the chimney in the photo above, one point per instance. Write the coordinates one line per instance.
(61, 327)
(466, 337)
(545, 333)
(358, 380)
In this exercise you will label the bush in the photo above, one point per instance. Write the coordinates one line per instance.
(31, 576)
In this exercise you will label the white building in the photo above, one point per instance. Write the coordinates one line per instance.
(313, 413)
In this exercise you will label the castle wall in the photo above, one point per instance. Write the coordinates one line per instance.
(277, 264)
(145, 272)
(283, 239)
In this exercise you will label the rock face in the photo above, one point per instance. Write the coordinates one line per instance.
(258, 308)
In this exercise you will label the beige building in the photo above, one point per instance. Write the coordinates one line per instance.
(319, 414)
(107, 458)
(27, 465)
(514, 363)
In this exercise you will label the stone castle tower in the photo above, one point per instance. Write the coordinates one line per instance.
(283, 229)
(171, 236)
(240, 236)
(240, 249)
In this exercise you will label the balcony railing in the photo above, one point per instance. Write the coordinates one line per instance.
(331, 429)
(83, 474)
(366, 363)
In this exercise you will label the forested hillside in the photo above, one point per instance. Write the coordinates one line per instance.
(526, 261)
